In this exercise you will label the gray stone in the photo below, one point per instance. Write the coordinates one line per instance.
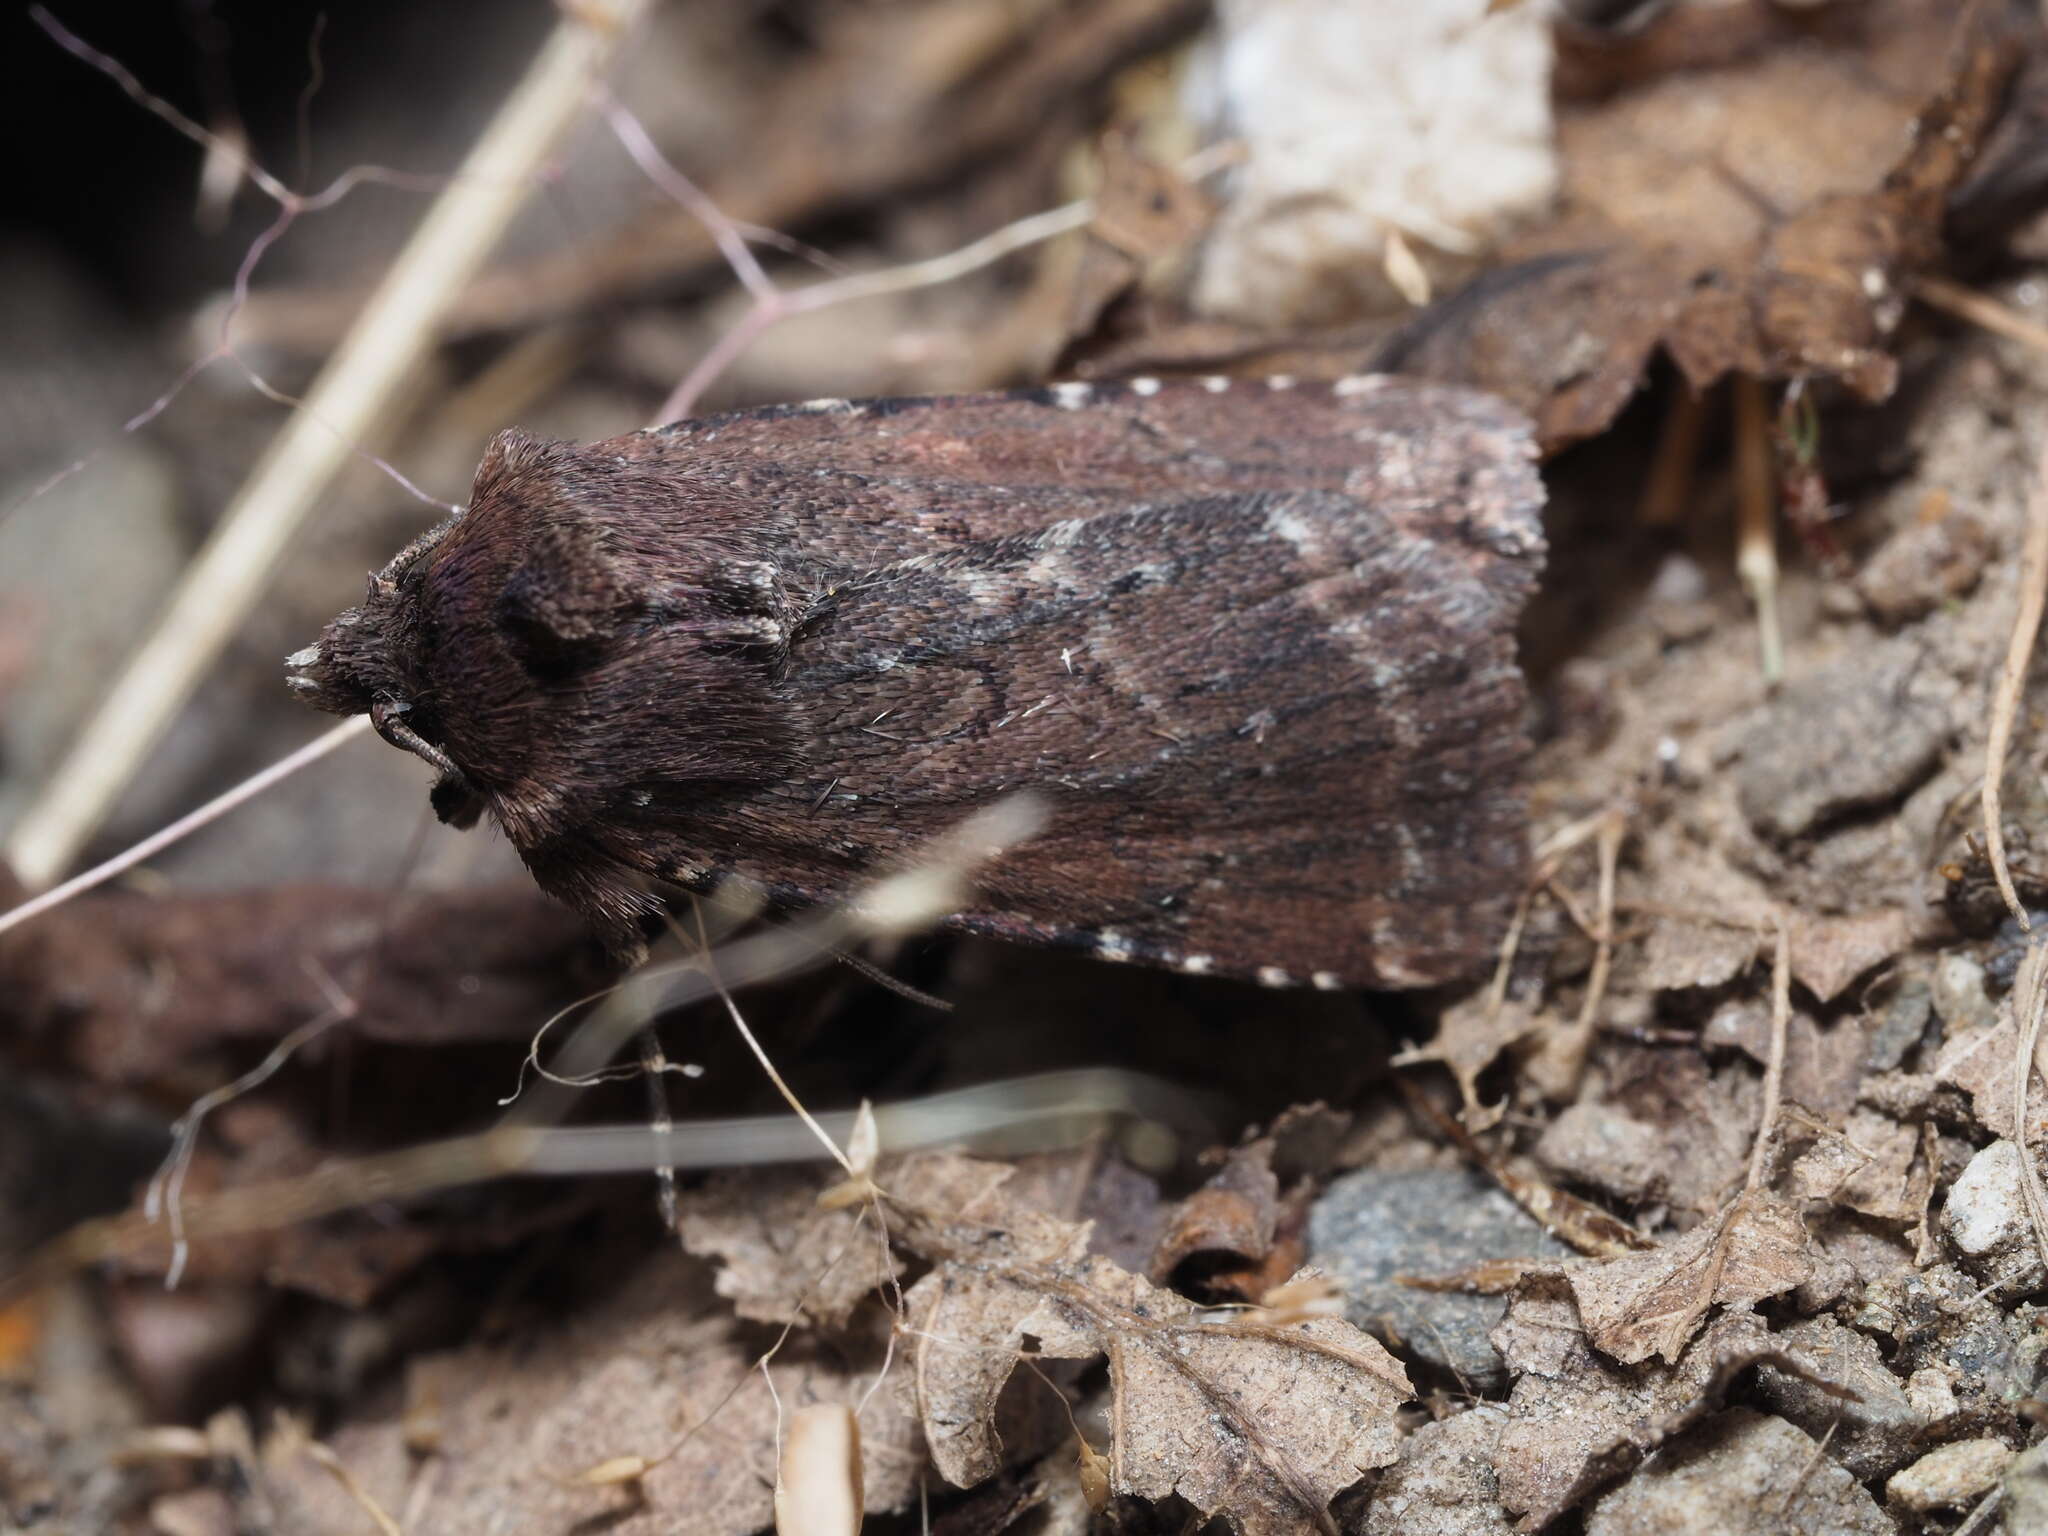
(1741, 1473)
(1951, 1476)
(1924, 565)
(1900, 1027)
(1958, 995)
(1855, 735)
(1371, 1226)
(1985, 1220)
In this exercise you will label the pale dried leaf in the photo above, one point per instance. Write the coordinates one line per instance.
(784, 1257)
(1830, 952)
(1980, 1063)
(1867, 1166)
(1649, 1303)
(1577, 1420)
(1680, 953)
(1823, 1063)
(1290, 1416)
(1469, 1035)
(657, 1374)
(1742, 1473)
(1665, 1129)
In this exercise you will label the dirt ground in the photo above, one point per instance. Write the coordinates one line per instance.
(1710, 1202)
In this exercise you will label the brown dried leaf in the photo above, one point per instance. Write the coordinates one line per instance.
(784, 1258)
(130, 988)
(1563, 336)
(1650, 1303)
(1235, 1213)
(1745, 207)
(1290, 1416)
(1146, 213)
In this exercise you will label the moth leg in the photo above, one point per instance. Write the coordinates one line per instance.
(386, 719)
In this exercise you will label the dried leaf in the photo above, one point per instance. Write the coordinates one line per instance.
(657, 1374)
(1681, 953)
(1980, 1063)
(1234, 1214)
(1867, 1167)
(1665, 1129)
(1469, 1035)
(1146, 215)
(1649, 1303)
(1744, 207)
(1823, 1064)
(133, 988)
(1742, 1473)
(1830, 952)
(783, 1256)
(1577, 1420)
(1290, 1416)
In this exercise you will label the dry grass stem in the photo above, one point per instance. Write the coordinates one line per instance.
(2029, 1002)
(1756, 524)
(1980, 309)
(1774, 1065)
(186, 825)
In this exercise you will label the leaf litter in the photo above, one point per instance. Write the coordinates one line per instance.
(1261, 1423)
(1762, 1050)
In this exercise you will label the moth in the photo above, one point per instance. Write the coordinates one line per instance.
(1253, 643)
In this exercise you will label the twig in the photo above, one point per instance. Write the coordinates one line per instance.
(772, 305)
(394, 332)
(166, 1194)
(186, 825)
(2012, 683)
(1980, 309)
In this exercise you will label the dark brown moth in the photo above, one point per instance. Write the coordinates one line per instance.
(1253, 643)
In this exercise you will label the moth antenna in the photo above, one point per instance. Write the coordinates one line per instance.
(882, 978)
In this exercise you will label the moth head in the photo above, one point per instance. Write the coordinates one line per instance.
(366, 663)
(364, 657)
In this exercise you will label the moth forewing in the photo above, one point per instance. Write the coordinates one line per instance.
(1253, 644)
